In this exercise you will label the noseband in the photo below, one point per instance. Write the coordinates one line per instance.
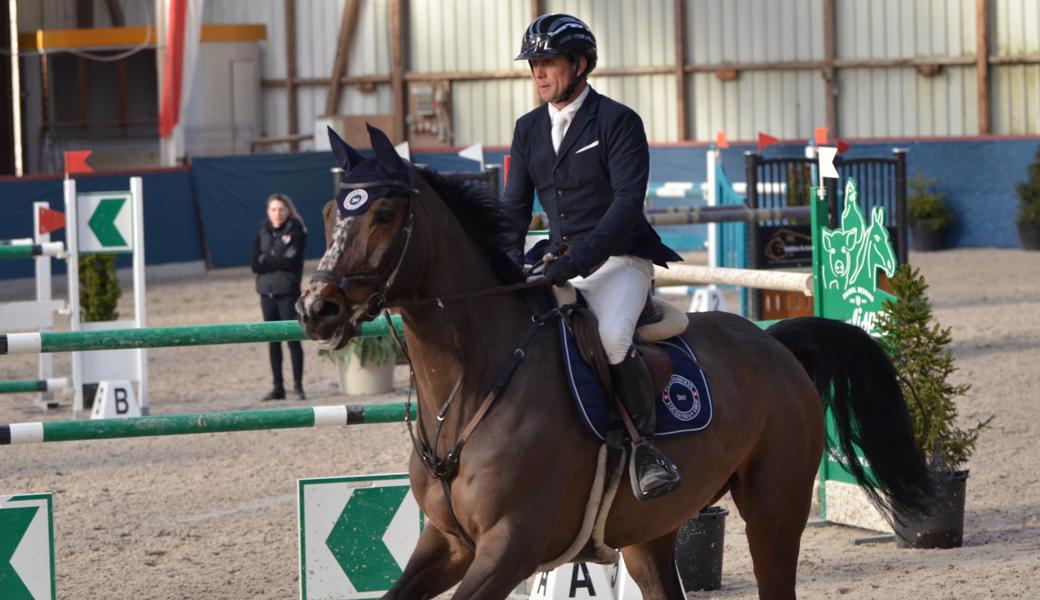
(377, 300)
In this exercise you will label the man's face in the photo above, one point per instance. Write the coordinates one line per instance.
(552, 75)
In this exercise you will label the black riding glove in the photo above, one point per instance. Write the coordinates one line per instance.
(562, 269)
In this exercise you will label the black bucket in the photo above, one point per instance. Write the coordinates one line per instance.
(944, 526)
(698, 550)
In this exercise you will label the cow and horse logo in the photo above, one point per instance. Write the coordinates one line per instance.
(852, 256)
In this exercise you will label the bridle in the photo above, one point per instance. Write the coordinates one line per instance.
(376, 301)
(444, 468)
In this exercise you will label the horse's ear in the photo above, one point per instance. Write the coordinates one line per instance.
(347, 157)
(827, 244)
(386, 154)
(877, 215)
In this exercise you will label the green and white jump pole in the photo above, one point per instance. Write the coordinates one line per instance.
(31, 250)
(18, 386)
(164, 337)
(205, 422)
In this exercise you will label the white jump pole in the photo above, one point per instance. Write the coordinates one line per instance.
(72, 239)
(140, 320)
(678, 274)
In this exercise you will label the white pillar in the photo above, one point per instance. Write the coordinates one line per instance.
(45, 371)
(140, 320)
(72, 248)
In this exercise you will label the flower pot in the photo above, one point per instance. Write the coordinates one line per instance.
(944, 525)
(698, 550)
(357, 379)
(923, 239)
(1029, 235)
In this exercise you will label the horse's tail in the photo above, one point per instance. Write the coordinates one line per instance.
(858, 382)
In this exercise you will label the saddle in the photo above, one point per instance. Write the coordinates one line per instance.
(659, 320)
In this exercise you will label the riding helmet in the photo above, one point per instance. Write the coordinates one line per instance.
(559, 35)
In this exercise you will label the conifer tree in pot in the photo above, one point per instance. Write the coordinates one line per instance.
(1028, 217)
(919, 349)
(929, 214)
(98, 299)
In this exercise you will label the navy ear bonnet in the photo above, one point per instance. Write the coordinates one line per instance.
(368, 179)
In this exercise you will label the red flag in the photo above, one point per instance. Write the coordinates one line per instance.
(50, 220)
(76, 161)
(505, 169)
(173, 68)
(765, 140)
(843, 146)
(821, 135)
(720, 140)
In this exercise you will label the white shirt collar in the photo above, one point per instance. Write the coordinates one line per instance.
(571, 109)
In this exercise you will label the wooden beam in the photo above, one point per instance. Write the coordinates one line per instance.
(290, 70)
(830, 88)
(982, 63)
(397, 68)
(360, 80)
(679, 23)
(346, 34)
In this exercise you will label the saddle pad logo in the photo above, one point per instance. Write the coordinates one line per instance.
(680, 393)
(355, 200)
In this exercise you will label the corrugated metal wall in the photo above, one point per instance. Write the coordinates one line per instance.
(877, 102)
(787, 104)
(1015, 102)
(481, 35)
(631, 34)
(317, 29)
(476, 35)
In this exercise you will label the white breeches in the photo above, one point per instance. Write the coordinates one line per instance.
(616, 293)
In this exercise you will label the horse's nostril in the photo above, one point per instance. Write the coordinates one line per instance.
(326, 308)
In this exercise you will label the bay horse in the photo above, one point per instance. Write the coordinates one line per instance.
(514, 496)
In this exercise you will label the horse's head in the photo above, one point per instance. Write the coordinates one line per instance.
(880, 243)
(368, 235)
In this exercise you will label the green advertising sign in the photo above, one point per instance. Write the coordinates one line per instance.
(850, 257)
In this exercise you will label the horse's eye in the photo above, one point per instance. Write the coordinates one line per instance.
(383, 217)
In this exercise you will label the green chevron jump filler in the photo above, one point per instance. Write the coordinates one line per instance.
(103, 222)
(26, 548)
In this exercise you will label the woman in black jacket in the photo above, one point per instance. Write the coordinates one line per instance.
(278, 264)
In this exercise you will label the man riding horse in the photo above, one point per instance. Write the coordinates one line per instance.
(588, 159)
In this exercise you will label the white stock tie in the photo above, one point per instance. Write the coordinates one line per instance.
(560, 121)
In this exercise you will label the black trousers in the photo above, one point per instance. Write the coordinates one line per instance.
(281, 307)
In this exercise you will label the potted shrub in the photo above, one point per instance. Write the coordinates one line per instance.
(98, 300)
(919, 349)
(929, 214)
(1028, 217)
(366, 365)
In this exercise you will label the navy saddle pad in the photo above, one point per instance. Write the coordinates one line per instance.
(684, 406)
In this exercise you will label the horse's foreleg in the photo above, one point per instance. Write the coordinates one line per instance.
(652, 566)
(506, 555)
(438, 562)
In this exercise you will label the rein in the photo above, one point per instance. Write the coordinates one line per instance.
(442, 468)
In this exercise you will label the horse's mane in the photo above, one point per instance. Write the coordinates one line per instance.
(481, 215)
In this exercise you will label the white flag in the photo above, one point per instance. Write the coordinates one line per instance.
(474, 152)
(827, 169)
(403, 151)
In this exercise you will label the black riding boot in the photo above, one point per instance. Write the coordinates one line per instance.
(652, 473)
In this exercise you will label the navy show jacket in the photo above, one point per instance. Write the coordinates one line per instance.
(593, 190)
